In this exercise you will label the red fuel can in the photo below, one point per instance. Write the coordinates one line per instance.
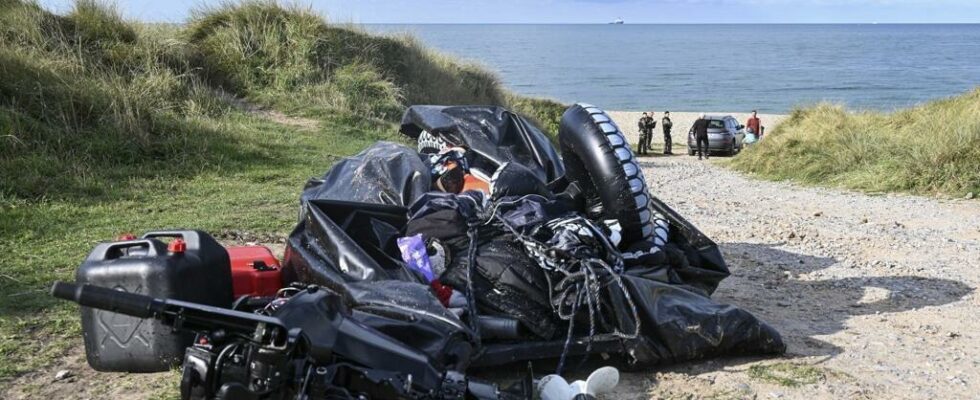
(254, 271)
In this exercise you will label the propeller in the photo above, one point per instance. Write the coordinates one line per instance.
(600, 381)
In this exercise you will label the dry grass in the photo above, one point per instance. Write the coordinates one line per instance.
(930, 149)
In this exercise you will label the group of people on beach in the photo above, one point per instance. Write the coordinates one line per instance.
(648, 124)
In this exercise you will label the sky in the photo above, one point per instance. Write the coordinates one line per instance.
(593, 11)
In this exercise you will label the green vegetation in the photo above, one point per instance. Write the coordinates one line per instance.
(787, 374)
(546, 113)
(277, 54)
(929, 149)
(109, 126)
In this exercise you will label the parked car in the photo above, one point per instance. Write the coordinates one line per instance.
(725, 135)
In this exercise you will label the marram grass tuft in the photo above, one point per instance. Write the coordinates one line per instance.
(933, 148)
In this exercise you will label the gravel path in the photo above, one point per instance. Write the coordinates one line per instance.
(875, 295)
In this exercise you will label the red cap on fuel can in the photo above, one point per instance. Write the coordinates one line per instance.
(177, 246)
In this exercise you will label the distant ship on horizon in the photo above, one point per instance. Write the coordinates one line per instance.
(617, 21)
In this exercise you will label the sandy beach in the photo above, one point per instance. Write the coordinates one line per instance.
(682, 123)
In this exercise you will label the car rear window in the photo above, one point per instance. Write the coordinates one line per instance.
(716, 123)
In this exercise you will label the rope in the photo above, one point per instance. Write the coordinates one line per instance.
(568, 340)
(470, 294)
(579, 280)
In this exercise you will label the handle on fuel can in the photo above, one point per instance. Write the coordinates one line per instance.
(114, 250)
(183, 239)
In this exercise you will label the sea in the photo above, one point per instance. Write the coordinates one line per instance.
(738, 67)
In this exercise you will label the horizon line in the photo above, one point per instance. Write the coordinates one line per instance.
(666, 23)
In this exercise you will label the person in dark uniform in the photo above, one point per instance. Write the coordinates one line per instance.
(667, 125)
(645, 127)
(652, 126)
(700, 129)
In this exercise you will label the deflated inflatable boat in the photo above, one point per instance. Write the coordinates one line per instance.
(554, 257)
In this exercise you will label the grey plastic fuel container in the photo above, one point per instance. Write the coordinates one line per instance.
(192, 267)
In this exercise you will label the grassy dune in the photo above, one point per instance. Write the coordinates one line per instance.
(109, 126)
(930, 149)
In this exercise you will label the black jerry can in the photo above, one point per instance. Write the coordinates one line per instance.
(194, 267)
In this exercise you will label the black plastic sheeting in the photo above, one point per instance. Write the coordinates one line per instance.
(340, 242)
(677, 319)
(506, 281)
(407, 312)
(350, 248)
(385, 173)
(494, 134)
(346, 240)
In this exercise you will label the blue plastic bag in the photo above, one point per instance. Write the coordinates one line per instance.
(415, 255)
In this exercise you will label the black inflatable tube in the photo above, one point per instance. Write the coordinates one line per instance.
(429, 144)
(598, 158)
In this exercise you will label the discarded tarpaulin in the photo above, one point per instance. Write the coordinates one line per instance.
(677, 319)
(546, 281)
(493, 135)
(506, 282)
(385, 173)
